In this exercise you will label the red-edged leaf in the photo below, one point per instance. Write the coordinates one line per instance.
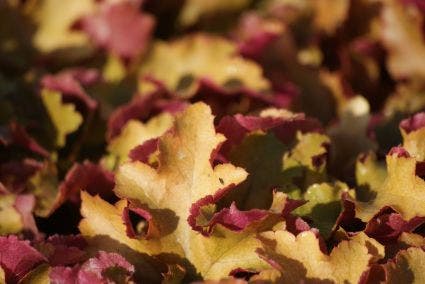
(69, 83)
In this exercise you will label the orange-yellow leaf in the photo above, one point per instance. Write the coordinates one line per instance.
(299, 258)
(402, 190)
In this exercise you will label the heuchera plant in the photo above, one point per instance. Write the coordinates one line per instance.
(219, 141)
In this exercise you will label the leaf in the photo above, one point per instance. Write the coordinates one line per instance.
(25, 204)
(402, 190)
(194, 9)
(2, 276)
(228, 249)
(299, 170)
(255, 33)
(262, 145)
(109, 234)
(181, 64)
(184, 176)
(408, 98)
(306, 162)
(10, 219)
(411, 239)
(50, 193)
(44, 185)
(63, 250)
(370, 176)
(261, 156)
(39, 275)
(407, 267)
(17, 134)
(120, 28)
(323, 205)
(387, 227)
(174, 274)
(282, 123)
(114, 69)
(54, 21)
(330, 14)
(398, 27)
(413, 133)
(310, 150)
(15, 174)
(64, 116)
(108, 266)
(87, 176)
(17, 258)
(300, 259)
(103, 268)
(141, 107)
(204, 219)
(135, 133)
(102, 218)
(70, 84)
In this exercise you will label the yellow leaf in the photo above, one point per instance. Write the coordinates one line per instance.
(407, 98)
(184, 176)
(330, 14)
(309, 145)
(401, 24)
(2, 276)
(194, 9)
(402, 190)
(39, 275)
(408, 267)
(10, 219)
(411, 240)
(102, 218)
(54, 20)
(181, 63)
(370, 175)
(414, 143)
(300, 259)
(184, 166)
(323, 205)
(136, 133)
(114, 70)
(44, 184)
(63, 115)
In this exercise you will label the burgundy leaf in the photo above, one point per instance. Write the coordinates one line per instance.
(15, 174)
(102, 269)
(132, 216)
(399, 151)
(17, 258)
(236, 127)
(64, 250)
(25, 204)
(413, 123)
(141, 108)
(69, 84)
(90, 177)
(119, 28)
(20, 136)
(142, 152)
(387, 227)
